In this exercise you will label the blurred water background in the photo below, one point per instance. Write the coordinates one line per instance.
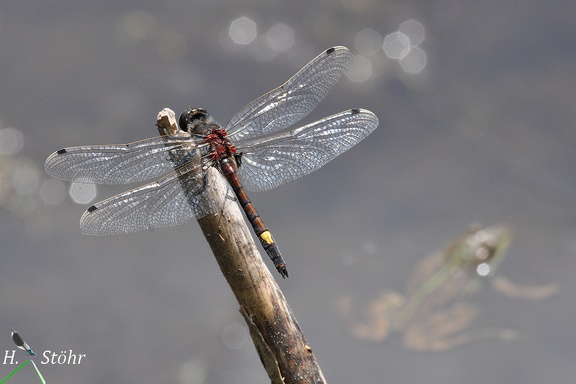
(476, 107)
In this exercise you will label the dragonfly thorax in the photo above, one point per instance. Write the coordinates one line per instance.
(198, 122)
(220, 146)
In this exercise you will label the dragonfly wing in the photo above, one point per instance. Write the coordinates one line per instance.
(119, 164)
(280, 158)
(172, 200)
(296, 98)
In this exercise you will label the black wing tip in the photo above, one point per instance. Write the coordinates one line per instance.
(356, 111)
(92, 209)
(340, 48)
(61, 151)
(331, 50)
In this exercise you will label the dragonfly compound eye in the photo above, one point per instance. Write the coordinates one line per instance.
(192, 118)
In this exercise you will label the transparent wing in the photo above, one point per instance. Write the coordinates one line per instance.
(172, 200)
(296, 98)
(280, 158)
(119, 164)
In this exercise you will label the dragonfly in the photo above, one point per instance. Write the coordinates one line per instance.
(20, 343)
(256, 150)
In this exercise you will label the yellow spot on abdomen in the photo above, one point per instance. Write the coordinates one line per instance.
(267, 237)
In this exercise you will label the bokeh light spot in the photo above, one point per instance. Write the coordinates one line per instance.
(52, 191)
(368, 42)
(11, 141)
(403, 45)
(82, 193)
(234, 336)
(414, 61)
(369, 248)
(135, 26)
(414, 30)
(26, 178)
(396, 45)
(280, 37)
(242, 31)
(483, 269)
(193, 372)
(360, 70)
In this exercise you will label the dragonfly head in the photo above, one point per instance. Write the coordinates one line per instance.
(196, 121)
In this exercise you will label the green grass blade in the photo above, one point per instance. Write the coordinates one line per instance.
(16, 370)
(38, 372)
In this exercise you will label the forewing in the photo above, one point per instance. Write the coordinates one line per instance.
(172, 200)
(296, 98)
(286, 156)
(118, 164)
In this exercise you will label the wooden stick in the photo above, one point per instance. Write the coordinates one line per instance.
(280, 343)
